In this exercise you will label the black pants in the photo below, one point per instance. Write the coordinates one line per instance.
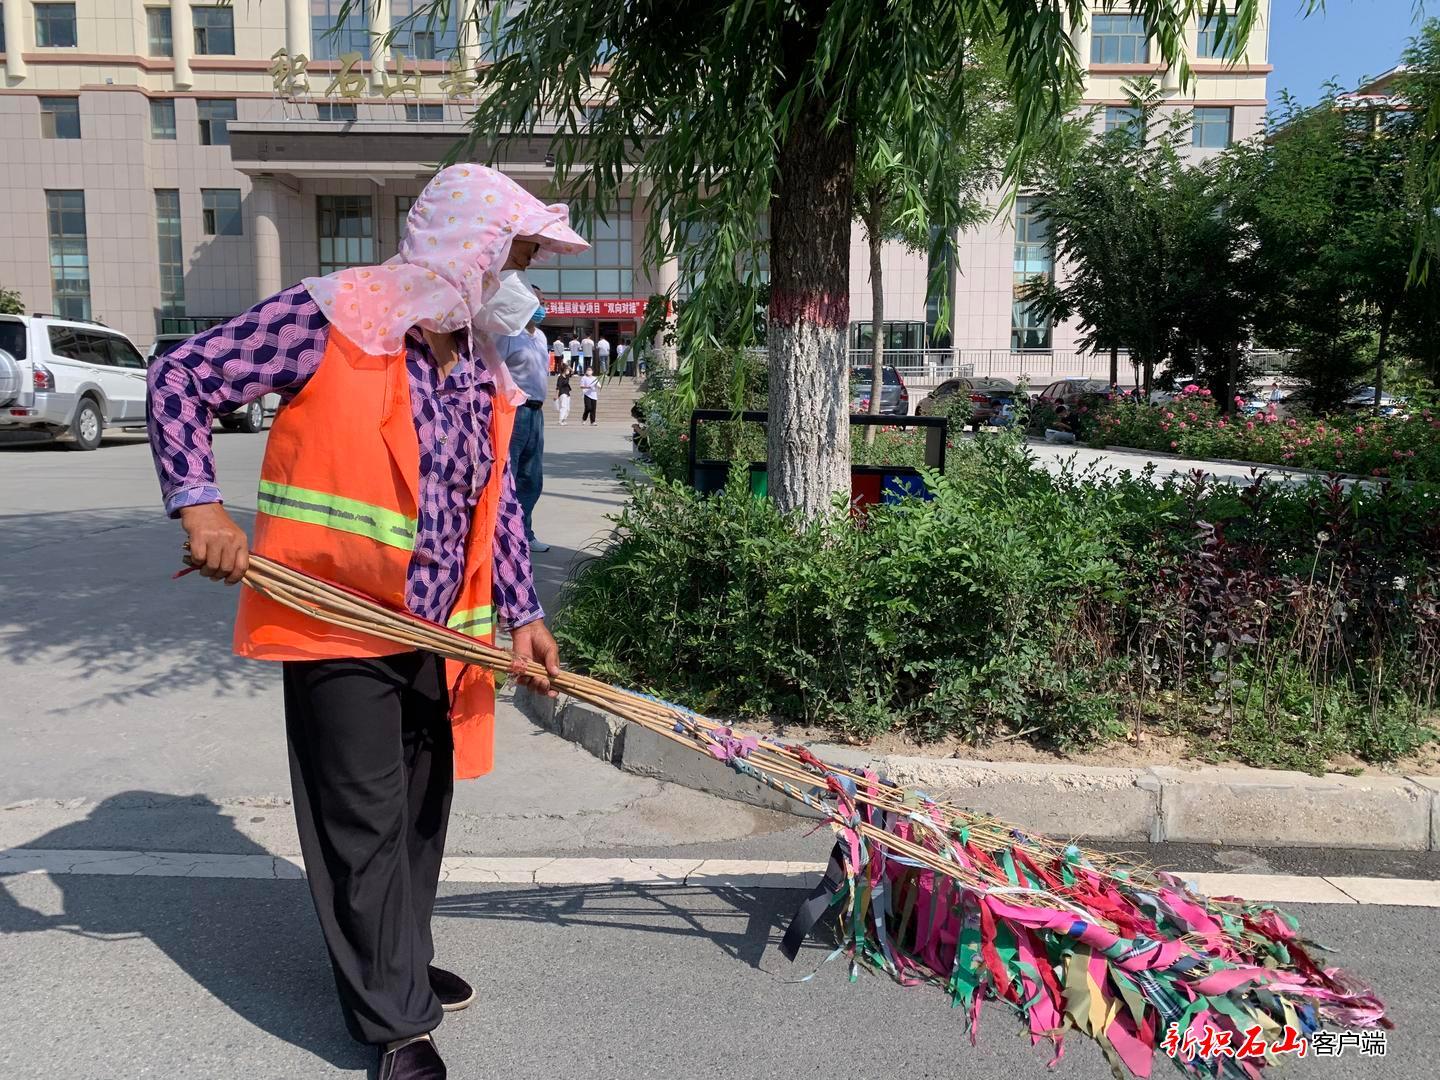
(589, 413)
(371, 763)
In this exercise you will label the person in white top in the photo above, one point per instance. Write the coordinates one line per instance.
(574, 353)
(557, 351)
(602, 355)
(590, 387)
(587, 346)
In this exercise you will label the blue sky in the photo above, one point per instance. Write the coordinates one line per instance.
(1347, 41)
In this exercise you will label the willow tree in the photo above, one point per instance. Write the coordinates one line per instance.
(726, 110)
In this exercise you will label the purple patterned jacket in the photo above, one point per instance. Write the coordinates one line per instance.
(276, 347)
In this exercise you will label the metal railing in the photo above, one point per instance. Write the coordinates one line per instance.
(930, 367)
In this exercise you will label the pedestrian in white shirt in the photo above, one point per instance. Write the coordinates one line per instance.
(590, 387)
(587, 346)
(602, 355)
(574, 355)
(557, 353)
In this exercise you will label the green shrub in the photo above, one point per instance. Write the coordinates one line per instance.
(1282, 626)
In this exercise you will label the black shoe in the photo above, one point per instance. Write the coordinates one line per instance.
(453, 991)
(418, 1060)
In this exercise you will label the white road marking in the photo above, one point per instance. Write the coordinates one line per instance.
(695, 873)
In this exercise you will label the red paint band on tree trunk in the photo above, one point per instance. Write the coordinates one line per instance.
(829, 310)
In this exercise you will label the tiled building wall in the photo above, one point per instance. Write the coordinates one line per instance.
(120, 166)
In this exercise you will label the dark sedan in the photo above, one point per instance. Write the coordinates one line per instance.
(992, 400)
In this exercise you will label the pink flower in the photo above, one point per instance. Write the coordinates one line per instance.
(1239, 401)
(1204, 393)
(1190, 415)
(1249, 425)
(684, 437)
(1192, 389)
(1398, 454)
(1359, 430)
(1173, 444)
(1183, 425)
(1290, 422)
(1220, 422)
(1169, 416)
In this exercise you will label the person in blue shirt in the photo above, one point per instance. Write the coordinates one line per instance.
(527, 355)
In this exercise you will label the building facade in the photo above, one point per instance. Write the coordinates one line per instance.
(169, 164)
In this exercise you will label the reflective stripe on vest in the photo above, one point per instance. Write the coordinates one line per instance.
(336, 512)
(476, 622)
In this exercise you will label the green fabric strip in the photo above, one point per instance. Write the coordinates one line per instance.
(336, 512)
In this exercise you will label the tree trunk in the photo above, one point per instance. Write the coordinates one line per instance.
(1386, 317)
(810, 213)
(874, 239)
(1114, 365)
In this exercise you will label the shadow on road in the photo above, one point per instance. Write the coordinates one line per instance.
(751, 919)
(268, 965)
(91, 594)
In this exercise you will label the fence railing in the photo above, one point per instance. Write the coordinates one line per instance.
(929, 367)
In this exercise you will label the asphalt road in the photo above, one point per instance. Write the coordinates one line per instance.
(126, 725)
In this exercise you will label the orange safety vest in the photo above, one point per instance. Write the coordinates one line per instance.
(339, 499)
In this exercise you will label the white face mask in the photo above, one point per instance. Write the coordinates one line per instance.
(510, 308)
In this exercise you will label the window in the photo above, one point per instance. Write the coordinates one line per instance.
(214, 113)
(122, 353)
(12, 338)
(425, 112)
(1208, 45)
(60, 117)
(214, 31)
(1125, 118)
(335, 110)
(898, 336)
(221, 211)
(606, 269)
(420, 38)
(403, 203)
(157, 23)
(1210, 127)
(347, 231)
(172, 254)
(1034, 257)
(83, 345)
(331, 40)
(69, 255)
(55, 28)
(162, 118)
(1119, 39)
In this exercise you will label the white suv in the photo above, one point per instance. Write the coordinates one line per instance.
(67, 377)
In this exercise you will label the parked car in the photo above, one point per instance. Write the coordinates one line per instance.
(894, 397)
(249, 418)
(992, 400)
(1363, 400)
(1073, 391)
(68, 377)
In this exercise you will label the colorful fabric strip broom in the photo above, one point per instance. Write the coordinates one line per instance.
(932, 893)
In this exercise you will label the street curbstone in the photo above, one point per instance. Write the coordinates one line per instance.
(1061, 800)
(1161, 803)
(1431, 786)
(647, 754)
(1292, 809)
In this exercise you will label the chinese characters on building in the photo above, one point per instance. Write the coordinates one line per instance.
(290, 75)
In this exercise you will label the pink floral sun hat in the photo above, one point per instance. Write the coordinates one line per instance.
(458, 236)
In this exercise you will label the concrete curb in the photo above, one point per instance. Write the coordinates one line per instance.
(1243, 807)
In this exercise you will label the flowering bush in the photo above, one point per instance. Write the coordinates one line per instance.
(1193, 425)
